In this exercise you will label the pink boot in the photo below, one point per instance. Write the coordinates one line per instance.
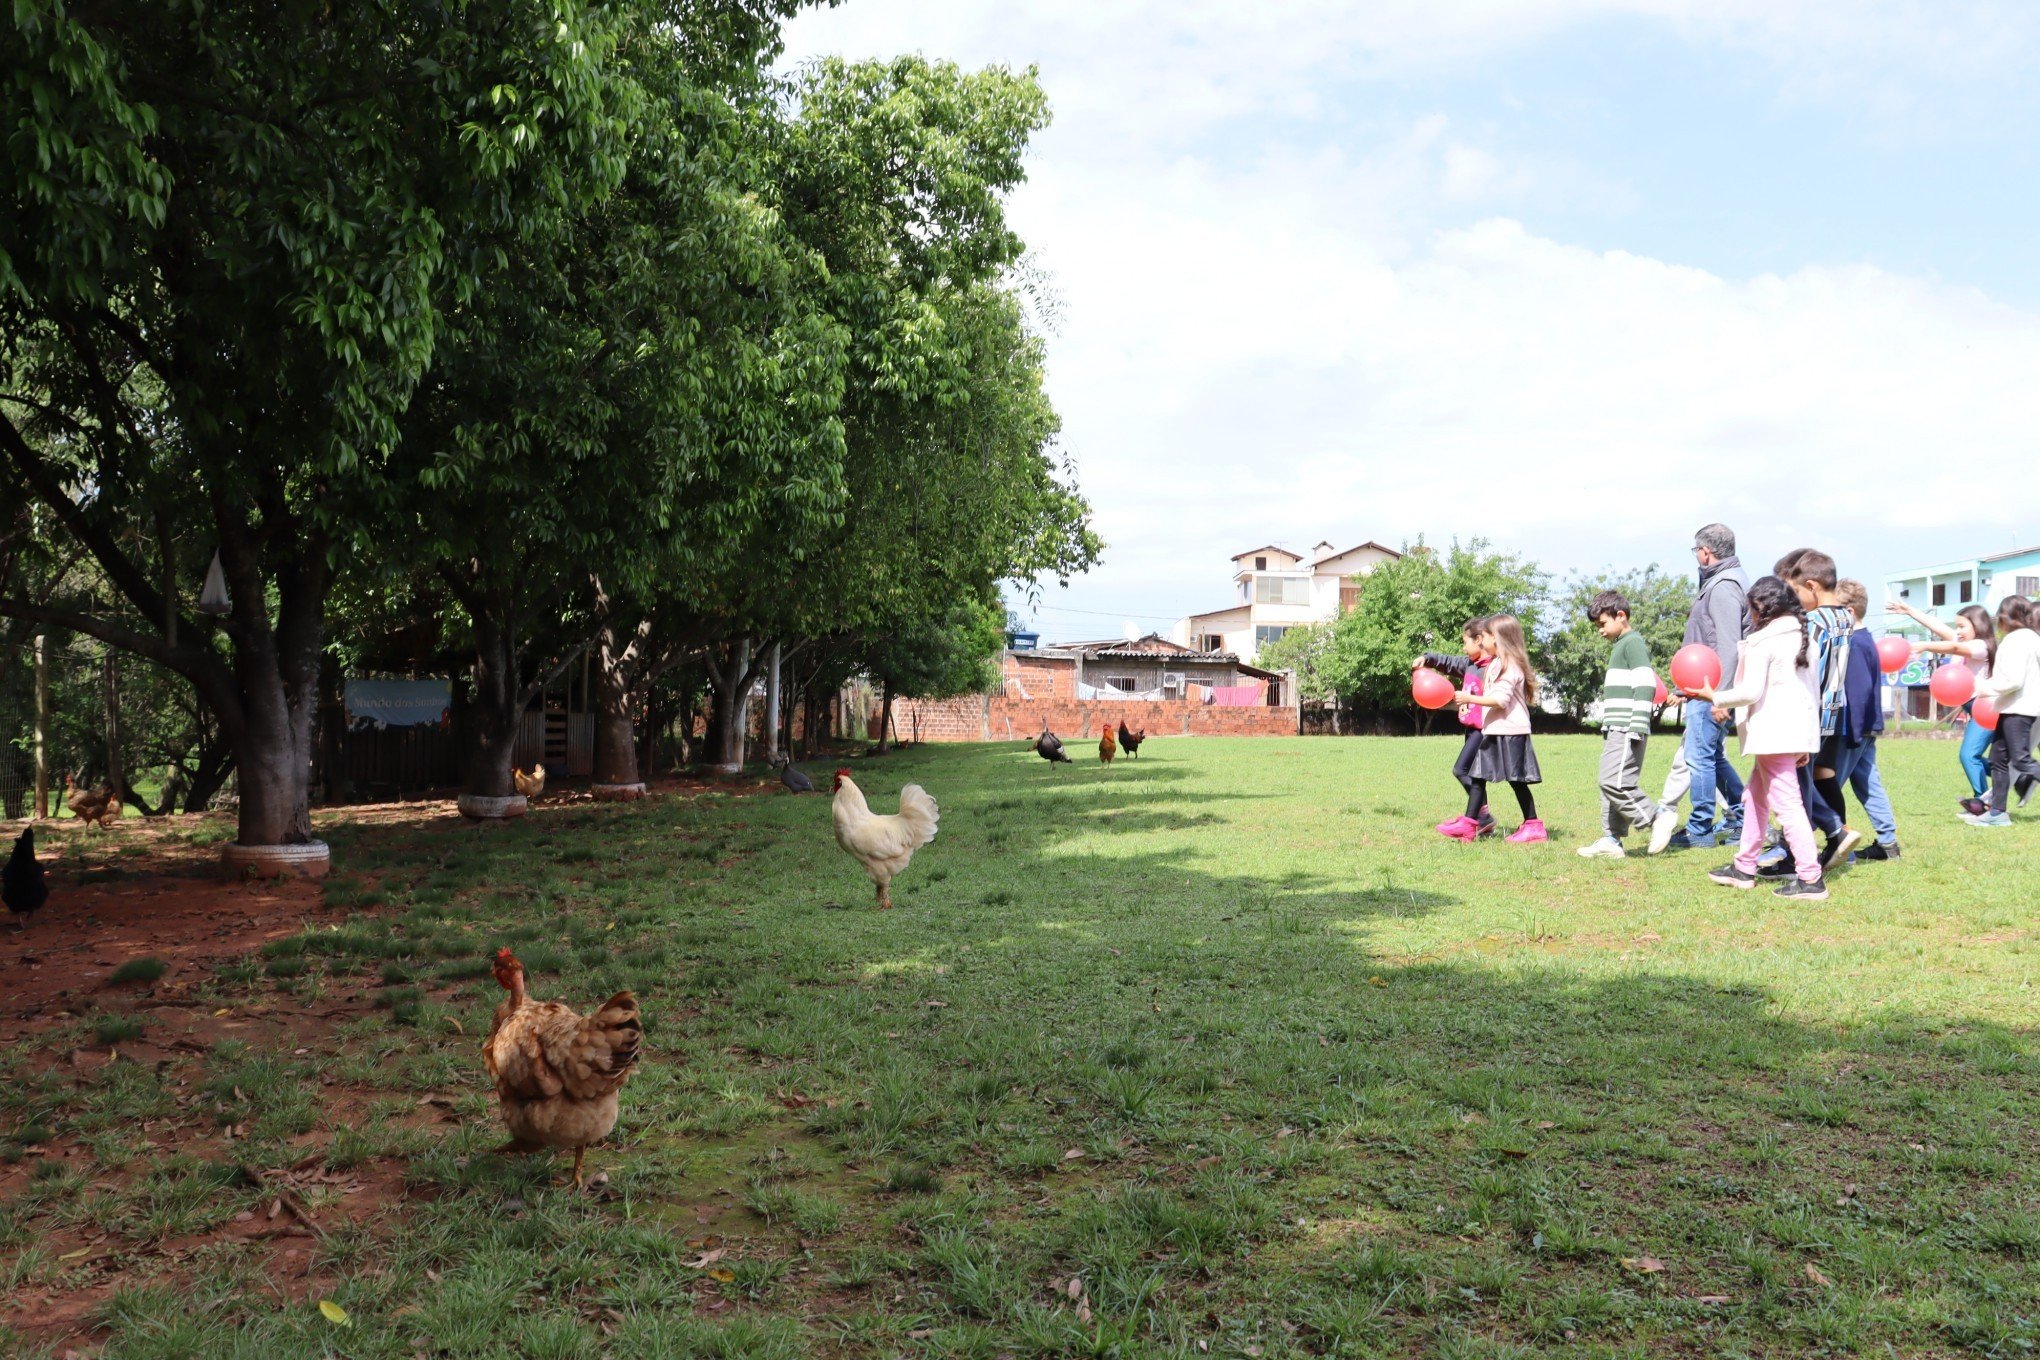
(1457, 827)
(1529, 833)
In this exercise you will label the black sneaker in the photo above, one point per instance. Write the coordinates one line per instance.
(1838, 848)
(2024, 788)
(1799, 888)
(1781, 867)
(1975, 807)
(1882, 851)
(1728, 876)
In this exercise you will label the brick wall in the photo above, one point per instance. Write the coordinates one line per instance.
(1041, 692)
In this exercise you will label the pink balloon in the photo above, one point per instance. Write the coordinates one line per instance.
(1661, 695)
(1893, 654)
(1984, 714)
(1952, 685)
(1430, 689)
(1695, 666)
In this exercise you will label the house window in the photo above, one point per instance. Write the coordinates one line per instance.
(1211, 642)
(2029, 586)
(1260, 564)
(1965, 591)
(1265, 634)
(1281, 590)
(1940, 593)
(1125, 683)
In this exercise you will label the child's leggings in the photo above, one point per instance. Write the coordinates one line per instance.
(1773, 787)
(1476, 798)
(1462, 768)
(1975, 756)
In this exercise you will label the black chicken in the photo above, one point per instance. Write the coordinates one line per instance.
(792, 776)
(1129, 742)
(1049, 747)
(22, 886)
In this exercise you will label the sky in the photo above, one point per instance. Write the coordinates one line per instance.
(1571, 276)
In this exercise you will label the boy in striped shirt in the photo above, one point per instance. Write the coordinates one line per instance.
(1626, 696)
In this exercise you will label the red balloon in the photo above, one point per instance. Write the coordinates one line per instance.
(1695, 666)
(1984, 714)
(1953, 684)
(1430, 689)
(1659, 697)
(1893, 654)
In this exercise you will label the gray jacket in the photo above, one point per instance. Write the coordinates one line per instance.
(1721, 612)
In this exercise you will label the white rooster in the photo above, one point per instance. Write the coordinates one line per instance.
(882, 844)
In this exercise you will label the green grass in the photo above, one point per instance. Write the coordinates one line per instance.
(1219, 1052)
(139, 970)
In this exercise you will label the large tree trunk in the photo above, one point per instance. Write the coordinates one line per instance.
(732, 675)
(278, 676)
(496, 712)
(885, 719)
(616, 754)
(769, 729)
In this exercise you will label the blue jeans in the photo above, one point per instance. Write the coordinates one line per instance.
(1975, 756)
(1707, 761)
(1858, 769)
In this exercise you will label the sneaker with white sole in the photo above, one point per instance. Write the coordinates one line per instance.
(1662, 828)
(1605, 848)
(1990, 819)
(1728, 876)
(1836, 852)
(1803, 890)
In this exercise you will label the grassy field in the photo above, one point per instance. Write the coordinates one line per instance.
(1218, 1052)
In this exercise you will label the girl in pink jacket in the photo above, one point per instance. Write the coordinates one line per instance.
(1779, 728)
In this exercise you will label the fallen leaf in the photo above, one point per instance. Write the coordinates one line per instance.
(334, 1313)
(1075, 1288)
(1545, 1124)
(74, 1255)
(224, 1010)
(1813, 1273)
(938, 1005)
(723, 1275)
(1710, 1298)
(1376, 982)
(1073, 1154)
(1643, 1265)
(708, 1258)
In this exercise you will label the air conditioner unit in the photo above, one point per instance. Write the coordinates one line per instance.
(1172, 681)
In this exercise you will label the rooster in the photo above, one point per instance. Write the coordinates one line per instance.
(530, 785)
(1106, 750)
(1049, 747)
(1129, 742)
(97, 808)
(22, 885)
(557, 1073)
(883, 845)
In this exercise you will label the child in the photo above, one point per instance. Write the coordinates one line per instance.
(1829, 625)
(1862, 720)
(1974, 639)
(1774, 680)
(1626, 694)
(1464, 672)
(2014, 685)
(1508, 690)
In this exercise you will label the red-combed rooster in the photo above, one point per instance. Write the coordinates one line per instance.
(557, 1074)
(883, 844)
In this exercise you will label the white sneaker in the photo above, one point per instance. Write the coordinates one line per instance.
(1664, 828)
(1605, 848)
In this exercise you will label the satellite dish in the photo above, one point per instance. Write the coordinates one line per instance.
(1132, 630)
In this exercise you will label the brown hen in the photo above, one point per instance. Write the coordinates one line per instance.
(557, 1073)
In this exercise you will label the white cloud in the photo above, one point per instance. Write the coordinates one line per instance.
(1277, 328)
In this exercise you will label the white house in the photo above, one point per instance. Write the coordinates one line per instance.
(1275, 590)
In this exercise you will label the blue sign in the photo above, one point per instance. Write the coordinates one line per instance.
(397, 703)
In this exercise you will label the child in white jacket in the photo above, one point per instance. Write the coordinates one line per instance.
(2014, 685)
(1779, 730)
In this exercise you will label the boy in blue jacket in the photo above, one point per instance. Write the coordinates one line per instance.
(1862, 720)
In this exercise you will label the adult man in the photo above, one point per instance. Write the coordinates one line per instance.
(1720, 619)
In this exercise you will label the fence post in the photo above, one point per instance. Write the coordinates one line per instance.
(42, 726)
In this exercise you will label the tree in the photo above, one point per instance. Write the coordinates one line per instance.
(1419, 603)
(1303, 649)
(939, 658)
(230, 238)
(1574, 656)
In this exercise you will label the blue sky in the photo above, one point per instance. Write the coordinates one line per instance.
(1571, 275)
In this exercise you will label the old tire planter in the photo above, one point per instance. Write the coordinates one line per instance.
(617, 793)
(481, 809)
(310, 860)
